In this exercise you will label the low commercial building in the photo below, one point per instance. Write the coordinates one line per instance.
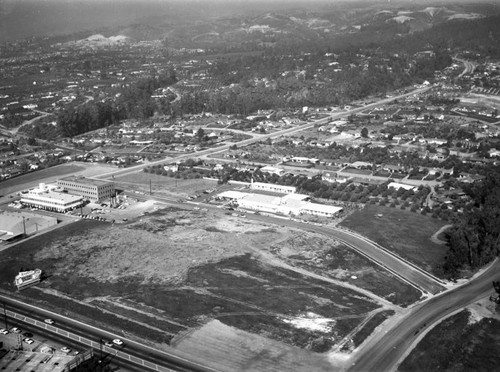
(90, 189)
(45, 360)
(271, 187)
(16, 224)
(290, 204)
(45, 198)
(398, 185)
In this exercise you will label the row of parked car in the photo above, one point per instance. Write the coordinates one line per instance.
(29, 340)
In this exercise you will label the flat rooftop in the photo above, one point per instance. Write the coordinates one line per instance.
(85, 181)
(50, 195)
(28, 361)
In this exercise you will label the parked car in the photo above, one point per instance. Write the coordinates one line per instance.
(4, 331)
(15, 330)
(28, 334)
(29, 341)
(65, 349)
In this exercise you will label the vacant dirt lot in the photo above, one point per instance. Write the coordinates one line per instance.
(163, 275)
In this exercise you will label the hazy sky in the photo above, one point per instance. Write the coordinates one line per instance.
(24, 18)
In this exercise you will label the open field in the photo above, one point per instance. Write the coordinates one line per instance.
(164, 275)
(467, 341)
(406, 233)
(163, 185)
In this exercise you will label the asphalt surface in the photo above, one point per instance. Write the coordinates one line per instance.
(384, 351)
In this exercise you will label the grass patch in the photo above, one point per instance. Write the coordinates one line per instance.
(370, 326)
(456, 345)
(403, 232)
(163, 184)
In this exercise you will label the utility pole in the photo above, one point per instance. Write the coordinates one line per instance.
(100, 357)
(150, 186)
(24, 226)
(5, 316)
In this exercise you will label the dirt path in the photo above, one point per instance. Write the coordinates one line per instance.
(273, 261)
(435, 238)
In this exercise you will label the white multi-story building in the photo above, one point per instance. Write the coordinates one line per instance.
(89, 189)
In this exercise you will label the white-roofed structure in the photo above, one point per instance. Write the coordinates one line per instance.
(232, 195)
(17, 224)
(272, 187)
(397, 186)
(290, 204)
(44, 197)
(273, 170)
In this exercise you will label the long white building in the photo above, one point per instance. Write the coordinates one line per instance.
(290, 204)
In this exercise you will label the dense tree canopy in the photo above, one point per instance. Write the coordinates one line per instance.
(474, 240)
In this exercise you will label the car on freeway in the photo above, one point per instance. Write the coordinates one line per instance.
(29, 341)
(15, 330)
(49, 321)
(65, 349)
(109, 344)
(4, 331)
(118, 342)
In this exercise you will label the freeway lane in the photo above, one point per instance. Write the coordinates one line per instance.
(133, 352)
(45, 337)
(384, 351)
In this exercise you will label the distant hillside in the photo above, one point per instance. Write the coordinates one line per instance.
(479, 35)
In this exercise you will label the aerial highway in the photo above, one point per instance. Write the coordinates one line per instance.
(132, 354)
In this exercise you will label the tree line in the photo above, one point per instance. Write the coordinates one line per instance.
(474, 239)
(133, 102)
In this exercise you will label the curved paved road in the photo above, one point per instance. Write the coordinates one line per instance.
(399, 267)
(384, 351)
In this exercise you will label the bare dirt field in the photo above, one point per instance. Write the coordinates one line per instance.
(333, 259)
(167, 275)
